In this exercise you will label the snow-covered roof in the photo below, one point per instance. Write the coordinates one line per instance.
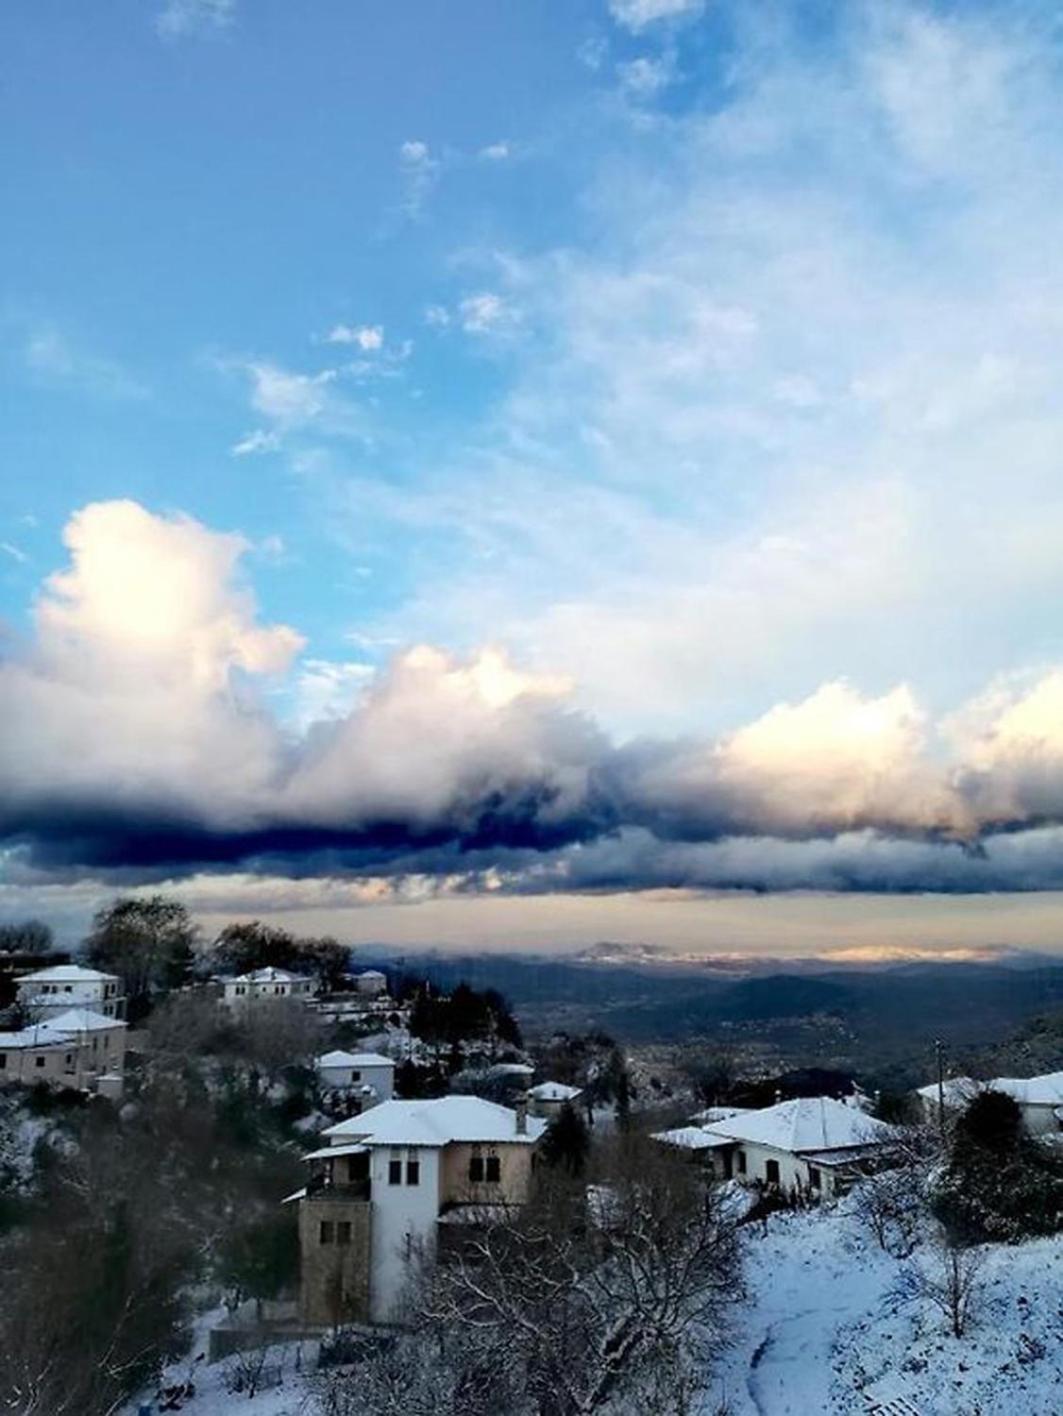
(76, 1020)
(1046, 1090)
(958, 1091)
(718, 1113)
(372, 973)
(554, 1091)
(692, 1138)
(334, 1152)
(68, 973)
(438, 1122)
(354, 1059)
(31, 1037)
(512, 1069)
(270, 975)
(810, 1123)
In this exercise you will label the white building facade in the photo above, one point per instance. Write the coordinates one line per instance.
(383, 1184)
(369, 1075)
(54, 990)
(268, 983)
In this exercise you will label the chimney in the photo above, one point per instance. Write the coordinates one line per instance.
(522, 1116)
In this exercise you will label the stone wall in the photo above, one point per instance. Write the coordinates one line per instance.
(334, 1261)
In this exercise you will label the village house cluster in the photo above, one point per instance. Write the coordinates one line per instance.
(76, 1034)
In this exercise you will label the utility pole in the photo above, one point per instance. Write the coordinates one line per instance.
(939, 1057)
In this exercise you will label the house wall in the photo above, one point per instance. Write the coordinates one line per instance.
(404, 1225)
(46, 999)
(1040, 1120)
(381, 1079)
(238, 994)
(102, 1050)
(58, 1066)
(334, 1278)
(513, 1187)
(793, 1171)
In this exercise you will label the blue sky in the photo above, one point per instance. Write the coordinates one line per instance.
(531, 451)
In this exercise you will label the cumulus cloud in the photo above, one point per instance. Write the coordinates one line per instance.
(137, 742)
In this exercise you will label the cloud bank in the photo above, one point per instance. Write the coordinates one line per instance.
(137, 743)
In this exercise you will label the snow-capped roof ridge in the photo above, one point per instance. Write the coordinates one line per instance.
(808, 1123)
(67, 973)
(339, 1058)
(80, 1020)
(438, 1121)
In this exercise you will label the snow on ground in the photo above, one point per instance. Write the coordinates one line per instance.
(825, 1331)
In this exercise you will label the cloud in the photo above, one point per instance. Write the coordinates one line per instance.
(637, 15)
(495, 152)
(484, 312)
(14, 552)
(138, 743)
(368, 338)
(643, 78)
(254, 442)
(418, 172)
(437, 316)
(179, 18)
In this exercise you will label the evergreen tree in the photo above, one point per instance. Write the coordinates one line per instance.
(567, 1141)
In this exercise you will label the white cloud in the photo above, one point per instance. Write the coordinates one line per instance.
(368, 338)
(254, 442)
(495, 152)
(643, 78)
(326, 691)
(485, 311)
(636, 15)
(14, 552)
(419, 172)
(178, 18)
(437, 316)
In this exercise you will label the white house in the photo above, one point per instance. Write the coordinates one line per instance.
(548, 1098)
(369, 1075)
(53, 990)
(386, 1185)
(265, 983)
(1040, 1099)
(72, 1049)
(371, 982)
(813, 1143)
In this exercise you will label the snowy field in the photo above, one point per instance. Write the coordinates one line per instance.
(826, 1332)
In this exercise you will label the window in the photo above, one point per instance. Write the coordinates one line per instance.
(413, 1172)
(3, 1059)
(327, 1231)
(67, 989)
(343, 1231)
(40, 1061)
(476, 1169)
(69, 1061)
(814, 1180)
(494, 1170)
(771, 1171)
(740, 1160)
(356, 1076)
(394, 1172)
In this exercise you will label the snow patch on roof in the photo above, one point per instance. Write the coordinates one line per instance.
(809, 1123)
(76, 1020)
(554, 1091)
(438, 1122)
(68, 973)
(354, 1059)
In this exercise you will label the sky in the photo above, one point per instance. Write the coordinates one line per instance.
(524, 474)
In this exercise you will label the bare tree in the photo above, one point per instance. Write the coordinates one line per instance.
(596, 1294)
(949, 1278)
(893, 1203)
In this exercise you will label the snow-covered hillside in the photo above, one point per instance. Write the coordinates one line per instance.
(826, 1330)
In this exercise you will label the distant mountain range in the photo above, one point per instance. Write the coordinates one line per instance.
(869, 1011)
